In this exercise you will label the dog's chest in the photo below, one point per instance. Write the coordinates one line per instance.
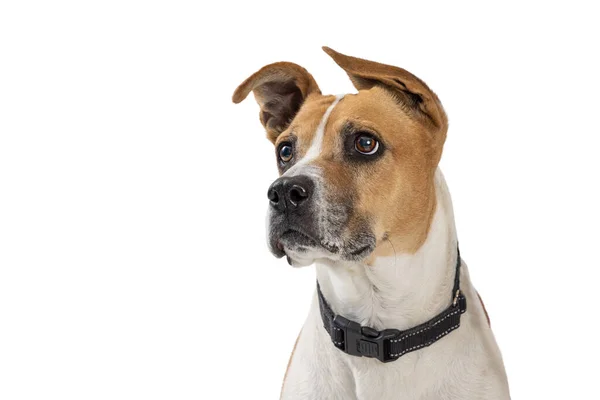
(427, 374)
(457, 367)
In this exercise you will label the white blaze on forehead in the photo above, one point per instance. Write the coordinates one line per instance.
(317, 143)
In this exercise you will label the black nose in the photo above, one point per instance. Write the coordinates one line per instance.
(290, 192)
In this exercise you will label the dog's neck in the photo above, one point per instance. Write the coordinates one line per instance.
(398, 291)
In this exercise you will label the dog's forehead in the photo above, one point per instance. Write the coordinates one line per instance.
(377, 111)
(374, 110)
(304, 126)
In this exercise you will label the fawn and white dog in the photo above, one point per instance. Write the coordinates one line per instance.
(360, 195)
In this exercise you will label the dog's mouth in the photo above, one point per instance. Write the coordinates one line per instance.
(295, 242)
(296, 239)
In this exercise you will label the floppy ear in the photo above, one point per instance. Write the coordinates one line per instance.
(409, 90)
(280, 90)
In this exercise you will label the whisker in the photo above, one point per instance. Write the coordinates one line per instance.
(393, 248)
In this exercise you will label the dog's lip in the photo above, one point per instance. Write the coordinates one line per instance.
(362, 251)
(306, 239)
(277, 249)
(293, 240)
(297, 240)
(297, 233)
(288, 238)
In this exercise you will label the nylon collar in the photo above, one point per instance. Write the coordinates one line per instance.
(390, 344)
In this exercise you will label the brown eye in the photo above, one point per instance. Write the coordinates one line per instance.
(366, 144)
(286, 152)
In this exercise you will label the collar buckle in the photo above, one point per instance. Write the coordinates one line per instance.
(363, 341)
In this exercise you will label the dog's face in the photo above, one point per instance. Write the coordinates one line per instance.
(356, 171)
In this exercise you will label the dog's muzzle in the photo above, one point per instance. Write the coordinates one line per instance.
(303, 225)
(292, 215)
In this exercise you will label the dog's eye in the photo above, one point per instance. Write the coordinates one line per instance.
(286, 152)
(366, 144)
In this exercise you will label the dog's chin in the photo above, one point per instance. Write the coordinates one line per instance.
(305, 256)
(299, 248)
(302, 250)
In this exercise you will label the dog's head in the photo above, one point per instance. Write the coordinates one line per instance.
(356, 171)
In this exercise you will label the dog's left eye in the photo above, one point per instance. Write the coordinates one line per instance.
(286, 152)
(366, 144)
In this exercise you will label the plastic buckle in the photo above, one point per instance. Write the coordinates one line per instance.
(364, 341)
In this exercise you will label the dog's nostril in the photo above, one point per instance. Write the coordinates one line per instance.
(297, 194)
(273, 196)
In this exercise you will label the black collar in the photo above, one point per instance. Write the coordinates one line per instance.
(390, 344)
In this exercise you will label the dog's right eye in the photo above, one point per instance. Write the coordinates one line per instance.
(366, 144)
(286, 152)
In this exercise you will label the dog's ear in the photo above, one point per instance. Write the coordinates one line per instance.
(280, 90)
(409, 90)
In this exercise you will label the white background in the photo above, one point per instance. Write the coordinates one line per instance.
(133, 261)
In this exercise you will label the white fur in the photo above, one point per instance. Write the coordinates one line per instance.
(400, 292)
(317, 143)
(316, 146)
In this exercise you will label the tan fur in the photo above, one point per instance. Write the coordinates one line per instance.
(412, 94)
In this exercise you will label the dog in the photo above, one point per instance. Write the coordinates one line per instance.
(360, 195)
